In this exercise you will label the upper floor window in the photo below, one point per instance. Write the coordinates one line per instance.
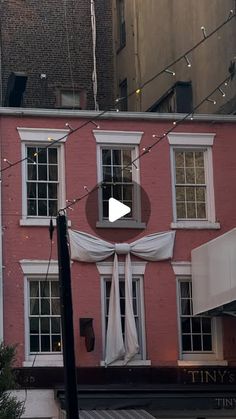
(118, 177)
(121, 23)
(42, 181)
(43, 174)
(192, 180)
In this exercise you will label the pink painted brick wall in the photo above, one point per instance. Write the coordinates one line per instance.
(159, 283)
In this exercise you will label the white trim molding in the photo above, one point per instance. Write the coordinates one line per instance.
(117, 137)
(39, 135)
(191, 139)
(105, 268)
(39, 267)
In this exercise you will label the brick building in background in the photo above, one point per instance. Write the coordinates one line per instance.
(46, 54)
(185, 366)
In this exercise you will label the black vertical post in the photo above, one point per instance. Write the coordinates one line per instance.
(67, 319)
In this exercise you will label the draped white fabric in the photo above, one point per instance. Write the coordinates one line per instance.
(87, 248)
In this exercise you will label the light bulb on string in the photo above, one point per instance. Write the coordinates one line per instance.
(96, 125)
(69, 126)
(170, 72)
(187, 61)
(231, 12)
(212, 101)
(222, 92)
(138, 91)
(203, 29)
(7, 161)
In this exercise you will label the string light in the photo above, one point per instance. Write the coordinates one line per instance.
(187, 61)
(222, 92)
(204, 32)
(232, 15)
(7, 161)
(231, 12)
(170, 72)
(31, 160)
(96, 125)
(69, 126)
(138, 91)
(211, 100)
(119, 99)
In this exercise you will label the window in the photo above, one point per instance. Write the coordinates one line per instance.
(192, 180)
(43, 177)
(190, 184)
(200, 337)
(43, 341)
(121, 23)
(68, 97)
(44, 316)
(117, 179)
(42, 181)
(196, 331)
(117, 176)
(138, 269)
(136, 305)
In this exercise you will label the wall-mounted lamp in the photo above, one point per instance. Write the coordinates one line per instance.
(86, 330)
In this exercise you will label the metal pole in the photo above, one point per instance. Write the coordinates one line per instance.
(67, 319)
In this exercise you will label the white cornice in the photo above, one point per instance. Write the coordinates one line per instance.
(62, 113)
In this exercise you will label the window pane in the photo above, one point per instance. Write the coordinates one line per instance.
(31, 190)
(207, 343)
(52, 190)
(196, 325)
(186, 343)
(52, 155)
(199, 159)
(34, 306)
(42, 190)
(197, 343)
(55, 306)
(45, 326)
(200, 176)
(31, 207)
(34, 325)
(190, 194)
(34, 343)
(34, 289)
(42, 156)
(56, 325)
(190, 176)
(106, 156)
(42, 172)
(106, 192)
(117, 192)
(191, 210)
(53, 173)
(127, 157)
(200, 194)
(56, 343)
(45, 306)
(105, 209)
(201, 210)
(206, 325)
(181, 210)
(32, 172)
(180, 193)
(107, 174)
(117, 174)
(31, 152)
(116, 157)
(45, 343)
(185, 323)
(52, 208)
(179, 159)
(189, 161)
(180, 178)
(42, 207)
(55, 289)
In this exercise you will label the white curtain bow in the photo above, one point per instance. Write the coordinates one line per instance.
(87, 248)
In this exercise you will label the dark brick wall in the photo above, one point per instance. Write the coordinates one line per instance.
(34, 40)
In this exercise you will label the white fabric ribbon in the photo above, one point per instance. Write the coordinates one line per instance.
(87, 248)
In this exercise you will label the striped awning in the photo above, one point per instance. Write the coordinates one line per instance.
(114, 414)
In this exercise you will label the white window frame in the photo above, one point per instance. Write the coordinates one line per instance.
(202, 142)
(120, 139)
(138, 270)
(40, 137)
(183, 270)
(34, 270)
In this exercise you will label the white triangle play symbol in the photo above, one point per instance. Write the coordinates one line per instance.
(117, 210)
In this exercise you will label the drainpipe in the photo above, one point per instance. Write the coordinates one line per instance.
(136, 56)
(1, 236)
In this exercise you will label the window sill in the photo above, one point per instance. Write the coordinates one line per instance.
(201, 225)
(44, 361)
(134, 362)
(183, 363)
(121, 224)
(39, 222)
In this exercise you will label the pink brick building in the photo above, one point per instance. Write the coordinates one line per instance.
(189, 179)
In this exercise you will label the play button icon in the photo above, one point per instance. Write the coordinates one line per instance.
(117, 210)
